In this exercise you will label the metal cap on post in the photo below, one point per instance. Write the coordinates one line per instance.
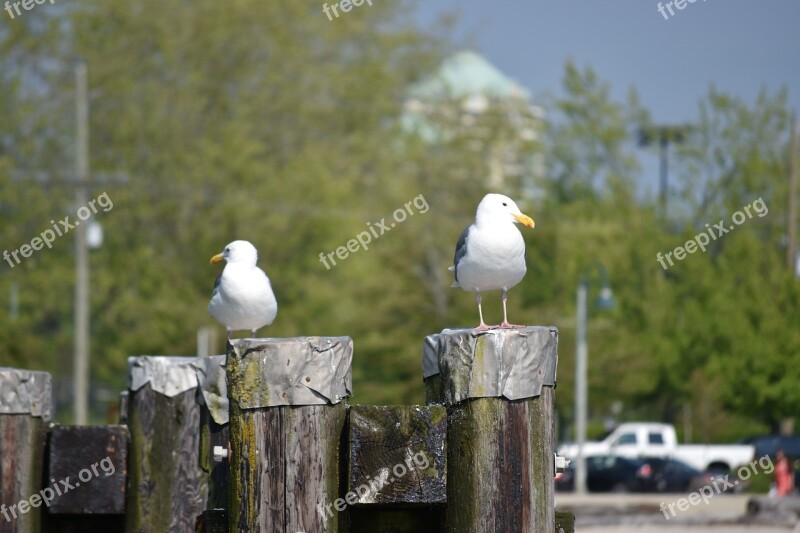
(168, 489)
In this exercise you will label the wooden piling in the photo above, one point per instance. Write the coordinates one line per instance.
(397, 468)
(287, 422)
(212, 398)
(167, 488)
(397, 454)
(93, 462)
(498, 386)
(26, 404)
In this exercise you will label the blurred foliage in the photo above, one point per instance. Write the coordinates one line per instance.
(268, 122)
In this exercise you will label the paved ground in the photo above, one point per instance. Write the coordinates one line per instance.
(641, 513)
(676, 529)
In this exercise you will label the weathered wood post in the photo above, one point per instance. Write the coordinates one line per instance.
(26, 404)
(498, 388)
(397, 468)
(90, 465)
(212, 397)
(167, 488)
(287, 422)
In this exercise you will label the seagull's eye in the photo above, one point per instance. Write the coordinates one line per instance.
(505, 204)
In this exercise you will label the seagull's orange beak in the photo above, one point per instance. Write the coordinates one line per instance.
(525, 220)
(216, 259)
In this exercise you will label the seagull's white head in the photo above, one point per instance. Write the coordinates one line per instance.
(241, 252)
(497, 207)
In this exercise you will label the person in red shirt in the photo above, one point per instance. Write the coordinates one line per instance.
(784, 474)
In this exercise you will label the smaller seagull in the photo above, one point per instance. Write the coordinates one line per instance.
(490, 254)
(242, 296)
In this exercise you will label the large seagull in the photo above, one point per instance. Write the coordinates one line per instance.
(242, 296)
(490, 254)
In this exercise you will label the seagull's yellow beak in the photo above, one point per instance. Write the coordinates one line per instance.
(216, 259)
(525, 220)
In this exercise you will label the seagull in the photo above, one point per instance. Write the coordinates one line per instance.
(490, 254)
(242, 296)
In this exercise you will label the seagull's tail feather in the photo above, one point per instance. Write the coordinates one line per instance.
(452, 268)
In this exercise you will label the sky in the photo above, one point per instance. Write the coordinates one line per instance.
(737, 45)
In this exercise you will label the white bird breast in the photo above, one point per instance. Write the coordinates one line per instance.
(495, 259)
(245, 299)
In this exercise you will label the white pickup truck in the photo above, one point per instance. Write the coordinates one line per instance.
(652, 439)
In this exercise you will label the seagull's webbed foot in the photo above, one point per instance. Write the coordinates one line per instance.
(506, 325)
(482, 327)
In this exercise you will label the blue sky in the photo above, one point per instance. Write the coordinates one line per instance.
(738, 45)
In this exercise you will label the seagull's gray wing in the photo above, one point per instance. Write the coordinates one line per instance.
(216, 286)
(461, 249)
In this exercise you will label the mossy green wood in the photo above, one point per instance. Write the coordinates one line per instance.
(433, 389)
(284, 465)
(167, 487)
(211, 435)
(500, 465)
(565, 522)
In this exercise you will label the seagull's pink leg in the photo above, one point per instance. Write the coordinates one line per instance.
(482, 326)
(504, 324)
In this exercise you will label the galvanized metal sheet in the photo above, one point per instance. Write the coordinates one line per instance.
(26, 392)
(213, 386)
(293, 371)
(166, 375)
(430, 356)
(512, 363)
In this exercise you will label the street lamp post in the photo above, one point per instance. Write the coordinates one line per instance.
(580, 389)
(604, 301)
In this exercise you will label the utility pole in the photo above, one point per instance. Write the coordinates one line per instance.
(791, 250)
(81, 355)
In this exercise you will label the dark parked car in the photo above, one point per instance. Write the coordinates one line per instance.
(606, 473)
(617, 474)
(663, 474)
(769, 444)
